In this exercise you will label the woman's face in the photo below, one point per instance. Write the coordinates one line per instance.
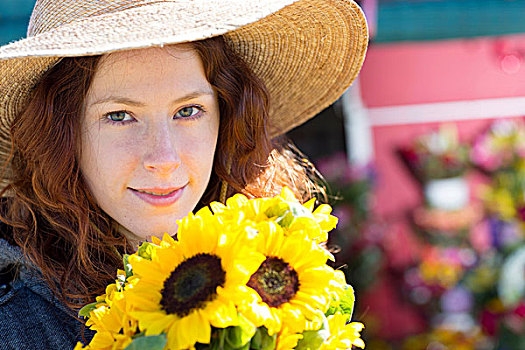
(149, 133)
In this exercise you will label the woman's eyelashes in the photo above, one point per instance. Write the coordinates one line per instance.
(118, 117)
(189, 112)
(125, 117)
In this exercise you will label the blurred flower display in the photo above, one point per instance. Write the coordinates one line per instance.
(446, 226)
(437, 155)
(465, 286)
(504, 197)
(443, 338)
(442, 267)
(356, 236)
(350, 187)
(500, 147)
(473, 295)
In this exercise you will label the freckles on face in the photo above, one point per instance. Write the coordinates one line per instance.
(149, 133)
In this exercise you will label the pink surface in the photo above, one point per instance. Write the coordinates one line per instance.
(415, 73)
(397, 191)
(388, 314)
(455, 70)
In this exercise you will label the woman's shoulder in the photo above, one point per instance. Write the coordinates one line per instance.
(30, 316)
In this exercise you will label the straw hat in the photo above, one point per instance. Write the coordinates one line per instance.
(307, 52)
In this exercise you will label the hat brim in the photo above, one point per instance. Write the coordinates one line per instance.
(306, 52)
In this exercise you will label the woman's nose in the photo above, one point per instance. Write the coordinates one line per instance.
(161, 153)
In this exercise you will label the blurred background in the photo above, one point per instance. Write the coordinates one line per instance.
(425, 157)
(425, 160)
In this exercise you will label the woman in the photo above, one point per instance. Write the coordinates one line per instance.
(120, 117)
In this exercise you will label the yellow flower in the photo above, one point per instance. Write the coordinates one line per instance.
(285, 209)
(315, 224)
(110, 318)
(194, 283)
(240, 208)
(111, 321)
(500, 201)
(338, 287)
(287, 340)
(291, 284)
(435, 270)
(343, 335)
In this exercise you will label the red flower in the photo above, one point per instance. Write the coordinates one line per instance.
(489, 322)
(410, 155)
(521, 213)
(520, 310)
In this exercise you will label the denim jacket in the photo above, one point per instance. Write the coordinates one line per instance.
(30, 316)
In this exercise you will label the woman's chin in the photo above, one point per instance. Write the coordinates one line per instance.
(142, 234)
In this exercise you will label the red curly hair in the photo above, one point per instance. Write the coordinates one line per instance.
(54, 217)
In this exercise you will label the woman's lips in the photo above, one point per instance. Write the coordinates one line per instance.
(159, 197)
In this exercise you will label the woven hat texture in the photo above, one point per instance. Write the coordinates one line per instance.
(307, 52)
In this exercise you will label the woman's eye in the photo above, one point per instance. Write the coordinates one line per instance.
(120, 116)
(188, 112)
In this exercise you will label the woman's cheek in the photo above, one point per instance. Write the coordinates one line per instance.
(200, 144)
(111, 154)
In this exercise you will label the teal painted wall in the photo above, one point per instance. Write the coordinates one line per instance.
(398, 20)
(446, 19)
(14, 16)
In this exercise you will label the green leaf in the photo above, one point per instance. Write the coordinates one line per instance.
(332, 309)
(146, 250)
(237, 337)
(256, 342)
(286, 213)
(345, 305)
(312, 340)
(127, 266)
(84, 312)
(245, 347)
(218, 339)
(262, 341)
(347, 301)
(150, 342)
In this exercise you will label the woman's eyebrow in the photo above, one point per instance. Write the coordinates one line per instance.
(130, 102)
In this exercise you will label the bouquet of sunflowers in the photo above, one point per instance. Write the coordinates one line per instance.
(250, 274)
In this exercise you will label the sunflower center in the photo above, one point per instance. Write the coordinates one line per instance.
(193, 283)
(275, 281)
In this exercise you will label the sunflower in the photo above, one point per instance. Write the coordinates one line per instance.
(342, 334)
(287, 340)
(318, 225)
(110, 319)
(285, 209)
(114, 328)
(338, 284)
(291, 284)
(240, 208)
(195, 282)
